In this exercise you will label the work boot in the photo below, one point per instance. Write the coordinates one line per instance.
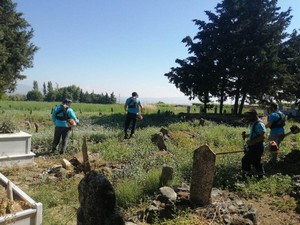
(126, 136)
(132, 135)
(61, 152)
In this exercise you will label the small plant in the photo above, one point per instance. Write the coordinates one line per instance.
(128, 192)
(276, 185)
(284, 204)
(8, 126)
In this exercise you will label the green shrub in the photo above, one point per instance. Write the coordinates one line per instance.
(227, 172)
(150, 181)
(275, 185)
(284, 204)
(128, 192)
(8, 126)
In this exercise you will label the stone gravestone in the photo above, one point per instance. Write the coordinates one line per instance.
(201, 109)
(166, 176)
(158, 139)
(97, 201)
(202, 176)
(86, 162)
(188, 109)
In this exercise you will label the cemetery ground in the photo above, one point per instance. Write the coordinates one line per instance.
(134, 166)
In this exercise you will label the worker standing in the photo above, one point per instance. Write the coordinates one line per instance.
(255, 145)
(133, 107)
(63, 118)
(276, 123)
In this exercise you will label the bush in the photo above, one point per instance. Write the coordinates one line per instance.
(276, 185)
(8, 126)
(128, 192)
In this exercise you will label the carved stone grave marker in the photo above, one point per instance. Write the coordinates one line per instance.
(166, 177)
(202, 176)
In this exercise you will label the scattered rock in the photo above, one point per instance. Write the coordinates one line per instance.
(169, 193)
(66, 164)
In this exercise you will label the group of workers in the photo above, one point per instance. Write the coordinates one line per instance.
(64, 118)
(255, 144)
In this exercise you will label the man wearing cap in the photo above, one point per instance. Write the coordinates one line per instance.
(255, 146)
(133, 107)
(276, 123)
(62, 116)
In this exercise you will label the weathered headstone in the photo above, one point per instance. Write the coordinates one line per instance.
(86, 162)
(158, 139)
(165, 132)
(97, 201)
(202, 176)
(201, 109)
(188, 109)
(166, 176)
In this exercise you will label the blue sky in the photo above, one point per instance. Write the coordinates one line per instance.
(115, 46)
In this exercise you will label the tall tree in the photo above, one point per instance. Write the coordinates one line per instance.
(16, 50)
(35, 85)
(44, 88)
(236, 52)
(50, 86)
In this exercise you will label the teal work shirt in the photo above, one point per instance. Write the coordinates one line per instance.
(256, 129)
(273, 118)
(63, 123)
(133, 105)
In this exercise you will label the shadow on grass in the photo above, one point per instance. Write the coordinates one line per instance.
(150, 120)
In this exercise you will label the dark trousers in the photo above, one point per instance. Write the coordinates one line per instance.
(63, 133)
(253, 157)
(130, 118)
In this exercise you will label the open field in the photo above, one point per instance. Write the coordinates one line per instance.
(137, 161)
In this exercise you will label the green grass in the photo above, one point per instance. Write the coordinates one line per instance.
(275, 185)
(141, 160)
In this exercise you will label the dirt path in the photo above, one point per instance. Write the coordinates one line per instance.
(268, 215)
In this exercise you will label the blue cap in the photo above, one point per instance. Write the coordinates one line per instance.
(67, 100)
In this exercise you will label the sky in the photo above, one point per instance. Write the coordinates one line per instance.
(116, 46)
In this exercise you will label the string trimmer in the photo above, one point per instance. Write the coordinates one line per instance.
(293, 130)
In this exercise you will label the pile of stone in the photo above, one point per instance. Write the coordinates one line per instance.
(75, 167)
(226, 207)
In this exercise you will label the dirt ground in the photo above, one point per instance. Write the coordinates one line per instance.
(267, 214)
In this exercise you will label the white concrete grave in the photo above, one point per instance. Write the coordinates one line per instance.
(15, 148)
(31, 216)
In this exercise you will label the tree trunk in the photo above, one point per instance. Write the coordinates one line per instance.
(205, 107)
(236, 102)
(242, 103)
(222, 96)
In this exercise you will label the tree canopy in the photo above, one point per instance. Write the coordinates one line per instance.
(242, 52)
(73, 92)
(16, 49)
